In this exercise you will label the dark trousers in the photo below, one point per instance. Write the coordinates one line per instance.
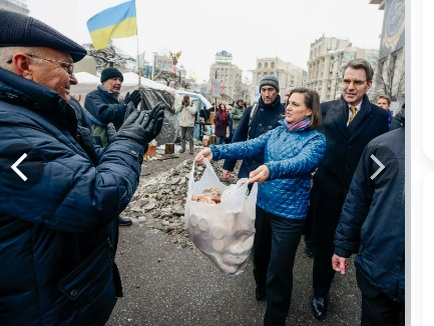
(188, 130)
(323, 272)
(377, 308)
(276, 242)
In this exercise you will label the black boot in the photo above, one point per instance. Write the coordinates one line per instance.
(308, 241)
(260, 294)
(124, 221)
(319, 306)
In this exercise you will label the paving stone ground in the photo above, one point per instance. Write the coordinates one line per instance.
(166, 284)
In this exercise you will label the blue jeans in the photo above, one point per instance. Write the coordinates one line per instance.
(219, 140)
(276, 242)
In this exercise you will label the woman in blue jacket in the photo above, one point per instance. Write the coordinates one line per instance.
(291, 153)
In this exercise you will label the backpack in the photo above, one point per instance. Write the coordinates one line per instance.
(253, 113)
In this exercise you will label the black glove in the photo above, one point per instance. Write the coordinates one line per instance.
(111, 132)
(128, 110)
(157, 115)
(138, 127)
(133, 97)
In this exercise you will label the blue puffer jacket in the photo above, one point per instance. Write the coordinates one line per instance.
(57, 238)
(291, 157)
(267, 117)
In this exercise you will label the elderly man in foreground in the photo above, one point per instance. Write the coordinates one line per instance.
(59, 196)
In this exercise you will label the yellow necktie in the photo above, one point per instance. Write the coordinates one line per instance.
(353, 113)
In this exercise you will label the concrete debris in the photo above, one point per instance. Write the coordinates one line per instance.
(159, 201)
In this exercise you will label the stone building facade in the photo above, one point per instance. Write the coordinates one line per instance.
(15, 6)
(288, 74)
(229, 75)
(328, 56)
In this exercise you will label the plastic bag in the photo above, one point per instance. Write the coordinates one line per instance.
(224, 231)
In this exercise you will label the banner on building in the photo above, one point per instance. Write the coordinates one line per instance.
(257, 94)
(216, 87)
(393, 36)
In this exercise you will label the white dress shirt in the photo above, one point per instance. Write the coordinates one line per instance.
(358, 107)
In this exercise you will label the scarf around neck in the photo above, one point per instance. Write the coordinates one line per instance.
(299, 125)
(105, 89)
(272, 105)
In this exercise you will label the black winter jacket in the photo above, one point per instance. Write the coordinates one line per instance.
(372, 223)
(267, 118)
(102, 108)
(58, 237)
(345, 146)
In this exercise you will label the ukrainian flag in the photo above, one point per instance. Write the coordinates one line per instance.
(115, 22)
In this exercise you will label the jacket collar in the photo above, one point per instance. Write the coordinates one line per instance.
(360, 121)
(17, 90)
(272, 106)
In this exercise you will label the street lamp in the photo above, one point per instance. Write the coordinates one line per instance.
(153, 66)
(336, 83)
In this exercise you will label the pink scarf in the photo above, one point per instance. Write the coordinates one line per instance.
(299, 125)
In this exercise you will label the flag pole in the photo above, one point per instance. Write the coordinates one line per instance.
(138, 54)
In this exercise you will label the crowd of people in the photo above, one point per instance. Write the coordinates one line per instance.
(313, 162)
(341, 214)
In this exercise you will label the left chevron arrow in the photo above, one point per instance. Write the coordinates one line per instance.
(15, 168)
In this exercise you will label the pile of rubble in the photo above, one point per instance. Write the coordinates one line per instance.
(159, 202)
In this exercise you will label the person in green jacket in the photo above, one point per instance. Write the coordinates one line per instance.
(237, 113)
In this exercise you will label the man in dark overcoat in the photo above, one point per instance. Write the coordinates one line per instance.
(372, 206)
(349, 124)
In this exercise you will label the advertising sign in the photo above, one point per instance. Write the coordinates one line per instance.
(393, 36)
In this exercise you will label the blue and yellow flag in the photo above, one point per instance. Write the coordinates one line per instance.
(115, 22)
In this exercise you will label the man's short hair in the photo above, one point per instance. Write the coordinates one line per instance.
(387, 98)
(361, 64)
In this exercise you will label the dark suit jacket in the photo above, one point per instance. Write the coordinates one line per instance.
(345, 146)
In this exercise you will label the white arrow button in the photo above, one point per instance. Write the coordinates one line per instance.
(14, 167)
(380, 169)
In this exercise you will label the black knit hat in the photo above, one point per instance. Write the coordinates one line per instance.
(270, 81)
(20, 30)
(110, 72)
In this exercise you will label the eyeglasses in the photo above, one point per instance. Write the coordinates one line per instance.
(356, 83)
(68, 67)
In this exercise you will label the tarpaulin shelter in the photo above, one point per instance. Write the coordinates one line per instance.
(152, 93)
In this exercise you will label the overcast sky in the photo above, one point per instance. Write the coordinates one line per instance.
(248, 29)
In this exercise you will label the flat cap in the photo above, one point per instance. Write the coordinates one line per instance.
(20, 30)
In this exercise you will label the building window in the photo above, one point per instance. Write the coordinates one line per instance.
(349, 55)
(266, 65)
(272, 65)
